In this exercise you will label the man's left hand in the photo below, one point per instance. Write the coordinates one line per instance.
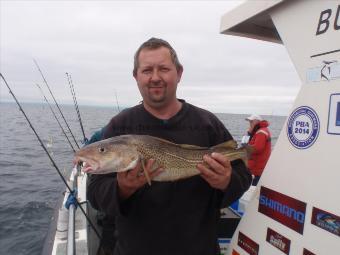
(216, 170)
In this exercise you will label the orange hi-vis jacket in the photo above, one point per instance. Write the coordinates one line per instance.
(261, 143)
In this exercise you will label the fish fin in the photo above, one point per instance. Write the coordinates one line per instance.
(242, 153)
(147, 176)
(192, 147)
(249, 149)
(231, 144)
(162, 140)
(184, 146)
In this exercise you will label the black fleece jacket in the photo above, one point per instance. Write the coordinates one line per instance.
(168, 218)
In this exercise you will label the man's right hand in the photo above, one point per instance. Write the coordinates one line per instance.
(130, 181)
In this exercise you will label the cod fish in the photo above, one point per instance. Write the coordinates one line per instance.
(122, 153)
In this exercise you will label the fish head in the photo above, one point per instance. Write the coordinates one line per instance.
(107, 156)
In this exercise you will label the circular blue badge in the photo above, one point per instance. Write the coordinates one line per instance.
(303, 127)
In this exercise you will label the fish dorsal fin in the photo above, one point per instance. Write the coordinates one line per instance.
(192, 147)
(161, 140)
(231, 144)
(184, 146)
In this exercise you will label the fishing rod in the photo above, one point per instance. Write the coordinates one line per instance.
(50, 157)
(56, 117)
(55, 101)
(70, 82)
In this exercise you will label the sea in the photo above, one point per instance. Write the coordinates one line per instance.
(29, 184)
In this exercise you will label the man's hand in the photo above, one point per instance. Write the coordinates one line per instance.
(216, 170)
(130, 181)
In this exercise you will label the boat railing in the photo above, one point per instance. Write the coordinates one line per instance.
(71, 249)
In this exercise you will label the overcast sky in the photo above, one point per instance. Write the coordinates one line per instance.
(95, 41)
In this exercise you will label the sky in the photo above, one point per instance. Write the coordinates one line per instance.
(95, 41)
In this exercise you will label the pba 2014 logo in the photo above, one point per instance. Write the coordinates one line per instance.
(303, 127)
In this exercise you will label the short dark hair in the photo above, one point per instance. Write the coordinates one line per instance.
(155, 43)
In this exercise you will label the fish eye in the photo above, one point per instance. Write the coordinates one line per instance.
(101, 149)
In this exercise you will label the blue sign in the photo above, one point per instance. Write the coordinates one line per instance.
(303, 127)
(337, 120)
(333, 126)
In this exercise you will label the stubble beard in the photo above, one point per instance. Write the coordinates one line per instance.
(159, 97)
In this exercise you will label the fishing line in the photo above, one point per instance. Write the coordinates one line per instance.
(50, 157)
(62, 115)
(70, 82)
(117, 102)
(56, 118)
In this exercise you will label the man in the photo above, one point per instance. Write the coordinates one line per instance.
(168, 217)
(260, 143)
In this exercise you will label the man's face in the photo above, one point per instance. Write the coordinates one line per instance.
(157, 77)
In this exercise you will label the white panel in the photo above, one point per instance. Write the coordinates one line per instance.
(298, 194)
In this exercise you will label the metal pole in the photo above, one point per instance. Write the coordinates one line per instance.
(71, 248)
(71, 244)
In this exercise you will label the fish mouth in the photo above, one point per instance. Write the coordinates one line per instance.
(87, 165)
